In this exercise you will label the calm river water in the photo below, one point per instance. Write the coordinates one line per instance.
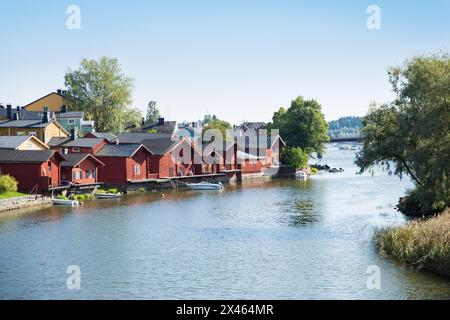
(283, 239)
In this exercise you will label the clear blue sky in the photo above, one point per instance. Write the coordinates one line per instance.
(237, 59)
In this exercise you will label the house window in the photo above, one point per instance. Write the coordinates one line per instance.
(20, 133)
(76, 175)
(75, 149)
(94, 173)
(88, 174)
(137, 169)
(32, 133)
(71, 121)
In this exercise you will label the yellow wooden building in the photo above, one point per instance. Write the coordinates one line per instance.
(22, 143)
(42, 130)
(53, 101)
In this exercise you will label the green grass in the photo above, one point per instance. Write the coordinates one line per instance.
(8, 195)
(421, 244)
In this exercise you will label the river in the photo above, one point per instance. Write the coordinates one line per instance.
(282, 239)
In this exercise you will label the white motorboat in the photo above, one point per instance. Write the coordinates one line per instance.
(301, 175)
(64, 202)
(205, 186)
(108, 195)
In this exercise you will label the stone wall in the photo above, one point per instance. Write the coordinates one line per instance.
(23, 202)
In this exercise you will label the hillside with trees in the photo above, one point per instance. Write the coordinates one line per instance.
(345, 127)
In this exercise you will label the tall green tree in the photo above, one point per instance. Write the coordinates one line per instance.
(102, 91)
(411, 135)
(302, 125)
(152, 112)
(215, 123)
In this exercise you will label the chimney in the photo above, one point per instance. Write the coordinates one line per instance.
(17, 113)
(73, 134)
(143, 122)
(160, 121)
(64, 109)
(64, 92)
(65, 151)
(117, 142)
(9, 111)
(59, 91)
(45, 118)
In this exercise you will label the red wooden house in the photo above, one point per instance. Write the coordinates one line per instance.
(80, 168)
(35, 170)
(123, 163)
(170, 158)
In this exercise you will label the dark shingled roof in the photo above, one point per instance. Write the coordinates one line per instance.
(104, 135)
(139, 137)
(25, 156)
(168, 127)
(56, 142)
(83, 142)
(70, 115)
(121, 150)
(23, 124)
(160, 146)
(73, 159)
(12, 142)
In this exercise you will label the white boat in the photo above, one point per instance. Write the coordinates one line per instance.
(205, 186)
(108, 195)
(301, 175)
(63, 202)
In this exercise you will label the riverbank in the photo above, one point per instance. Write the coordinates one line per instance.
(421, 244)
(22, 202)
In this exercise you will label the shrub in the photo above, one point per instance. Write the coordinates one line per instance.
(421, 244)
(61, 197)
(295, 157)
(141, 190)
(83, 197)
(8, 184)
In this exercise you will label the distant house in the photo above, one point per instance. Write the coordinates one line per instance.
(22, 143)
(111, 137)
(74, 120)
(44, 129)
(53, 102)
(258, 152)
(162, 126)
(73, 144)
(80, 168)
(58, 104)
(123, 163)
(218, 159)
(168, 159)
(35, 170)
(248, 127)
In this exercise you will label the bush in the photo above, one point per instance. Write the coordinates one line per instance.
(8, 184)
(83, 197)
(62, 197)
(421, 244)
(295, 157)
(419, 202)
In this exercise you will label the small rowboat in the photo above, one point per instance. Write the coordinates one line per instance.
(62, 202)
(108, 195)
(205, 186)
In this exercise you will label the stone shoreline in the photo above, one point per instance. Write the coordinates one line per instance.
(23, 202)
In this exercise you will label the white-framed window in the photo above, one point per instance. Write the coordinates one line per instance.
(20, 133)
(137, 169)
(32, 133)
(71, 121)
(76, 175)
(76, 149)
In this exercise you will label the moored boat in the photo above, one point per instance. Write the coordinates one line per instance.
(108, 195)
(205, 186)
(65, 202)
(301, 175)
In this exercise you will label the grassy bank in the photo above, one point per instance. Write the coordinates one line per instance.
(8, 195)
(421, 244)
